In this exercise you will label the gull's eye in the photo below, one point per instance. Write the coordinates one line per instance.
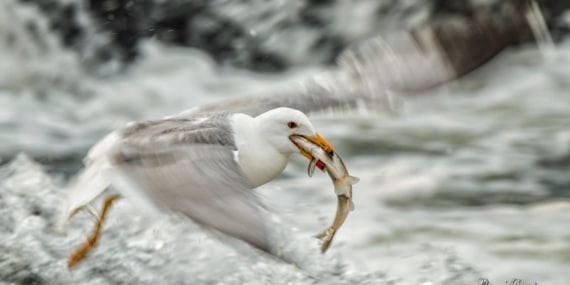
(292, 125)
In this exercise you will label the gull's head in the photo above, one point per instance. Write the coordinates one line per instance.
(279, 125)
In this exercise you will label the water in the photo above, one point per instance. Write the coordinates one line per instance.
(467, 181)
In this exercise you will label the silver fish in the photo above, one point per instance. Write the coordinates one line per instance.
(342, 181)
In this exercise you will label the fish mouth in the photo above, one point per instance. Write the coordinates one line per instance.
(317, 140)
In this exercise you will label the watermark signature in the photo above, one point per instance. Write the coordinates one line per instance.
(515, 281)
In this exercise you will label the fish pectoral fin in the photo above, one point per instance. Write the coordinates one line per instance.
(311, 168)
(314, 164)
(353, 180)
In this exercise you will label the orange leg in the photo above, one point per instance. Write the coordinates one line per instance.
(79, 253)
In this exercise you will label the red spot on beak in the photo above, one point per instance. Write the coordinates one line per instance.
(320, 165)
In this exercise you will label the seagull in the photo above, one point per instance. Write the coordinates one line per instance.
(202, 167)
(203, 163)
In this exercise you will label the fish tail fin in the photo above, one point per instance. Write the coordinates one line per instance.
(326, 237)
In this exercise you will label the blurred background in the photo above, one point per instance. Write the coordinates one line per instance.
(464, 180)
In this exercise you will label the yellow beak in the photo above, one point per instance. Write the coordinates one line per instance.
(318, 140)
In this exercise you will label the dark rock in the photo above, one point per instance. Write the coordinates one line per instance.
(484, 35)
(552, 10)
(261, 35)
(77, 31)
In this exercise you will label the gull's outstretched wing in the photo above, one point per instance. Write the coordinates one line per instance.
(410, 62)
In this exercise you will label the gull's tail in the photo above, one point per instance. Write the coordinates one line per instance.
(91, 182)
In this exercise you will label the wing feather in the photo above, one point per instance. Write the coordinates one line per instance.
(201, 181)
(181, 165)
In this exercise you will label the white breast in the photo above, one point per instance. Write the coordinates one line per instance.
(260, 161)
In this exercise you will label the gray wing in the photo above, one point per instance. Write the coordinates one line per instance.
(309, 97)
(178, 170)
(410, 61)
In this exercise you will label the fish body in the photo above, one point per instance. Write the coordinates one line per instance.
(342, 181)
(344, 205)
(336, 170)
